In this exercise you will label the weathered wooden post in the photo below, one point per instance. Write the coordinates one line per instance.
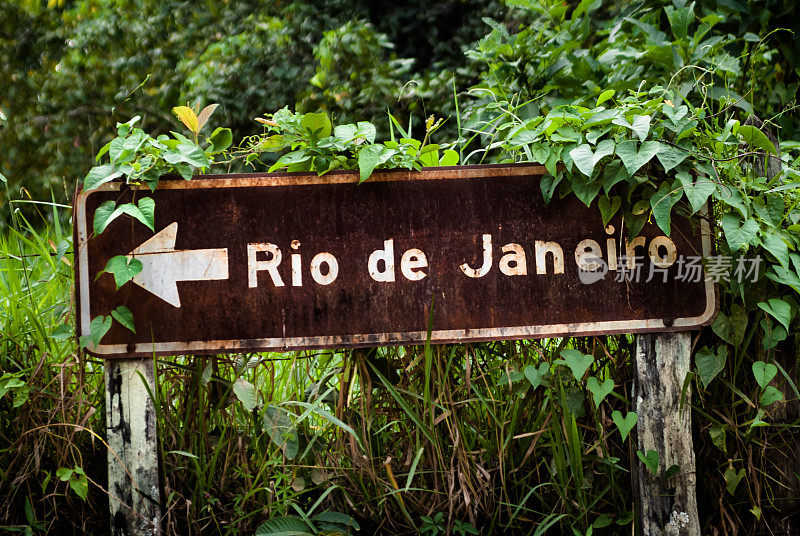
(133, 484)
(667, 506)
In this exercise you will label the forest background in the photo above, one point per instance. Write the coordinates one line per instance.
(487, 438)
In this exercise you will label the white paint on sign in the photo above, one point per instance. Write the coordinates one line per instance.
(385, 256)
(331, 271)
(487, 260)
(412, 263)
(163, 266)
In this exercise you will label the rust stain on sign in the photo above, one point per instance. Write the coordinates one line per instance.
(294, 261)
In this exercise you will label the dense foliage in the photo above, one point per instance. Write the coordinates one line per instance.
(646, 110)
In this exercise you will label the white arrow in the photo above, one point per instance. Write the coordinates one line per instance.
(163, 266)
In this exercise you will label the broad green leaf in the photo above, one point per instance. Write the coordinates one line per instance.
(63, 474)
(281, 430)
(586, 190)
(722, 327)
(756, 139)
(536, 375)
(98, 327)
(428, 158)
(294, 157)
(548, 184)
(679, 20)
(697, 192)
(738, 321)
(641, 126)
(79, 483)
(738, 235)
(123, 268)
(541, 152)
(770, 208)
(779, 310)
(608, 207)
(613, 173)
(775, 245)
(368, 158)
(634, 159)
(345, 133)
(770, 396)
(624, 425)
(709, 363)
(662, 202)
(577, 362)
(147, 209)
(318, 125)
(604, 96)
(246, 393)
(99, 175)
(124, 316)
(284, 526)
(773, 333)
(671, 156)
(449, 158)
(585, 160)
(61, 333)
(732, 479)
(650, 460)
(220, 140)
(764, 372)
(599, 390)
(187, 117)
(717, 434)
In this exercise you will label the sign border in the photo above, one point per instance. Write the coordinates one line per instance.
(283, 344)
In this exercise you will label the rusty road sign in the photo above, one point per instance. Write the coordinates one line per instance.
(295, 261)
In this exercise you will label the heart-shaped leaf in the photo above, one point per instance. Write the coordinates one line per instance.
(710, 363)
(98, 327)
(599, 390)
(624, 425)
(246, 393)
(773, 333)
(640, 125)
(586, 160)
(738, 321)
(764, 372)
(778, 309)
(770, 396)
(732, 478)
(536, 375)
(662, 202)
(124, 316)
(608, 207)
(775, 245)
(123, 268)
(634, 159)
(650, 460)
(697, 192)
(99, 175)
(577, 362)
(737, 234)
(670, 156)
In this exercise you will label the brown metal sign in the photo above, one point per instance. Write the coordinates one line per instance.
(295, 261)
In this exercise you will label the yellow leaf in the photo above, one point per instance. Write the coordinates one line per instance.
(187, 117)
